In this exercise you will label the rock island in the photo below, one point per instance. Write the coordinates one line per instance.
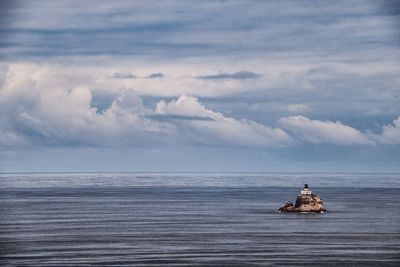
(306, 201)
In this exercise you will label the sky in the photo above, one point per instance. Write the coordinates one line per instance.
(230, 86)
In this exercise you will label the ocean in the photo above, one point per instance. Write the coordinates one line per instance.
(197, 219)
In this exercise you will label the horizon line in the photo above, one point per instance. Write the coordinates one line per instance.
(272, 172)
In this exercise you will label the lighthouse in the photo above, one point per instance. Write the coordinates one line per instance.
(306, 201)
(306, 190)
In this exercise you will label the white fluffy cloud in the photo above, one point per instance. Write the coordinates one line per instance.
(184, 106)
(36, 109)
(218, 128)
(64, 118)
(39, 108)
(315, 131)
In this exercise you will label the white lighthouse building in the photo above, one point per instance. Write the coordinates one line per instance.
(306, 190)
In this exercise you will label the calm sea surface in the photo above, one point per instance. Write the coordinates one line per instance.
(197, 219)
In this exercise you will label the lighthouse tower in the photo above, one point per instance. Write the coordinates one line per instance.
(306, 190)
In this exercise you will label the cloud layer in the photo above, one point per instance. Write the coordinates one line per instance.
(64, 116)
(38, 110)
(192, 29)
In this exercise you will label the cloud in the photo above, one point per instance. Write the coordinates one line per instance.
(155, 75)
(220, 129)
(184, 106)
(52, 104)
(316, 132)
(177, 77)
(390, 133)
(220, 28)
(38, 108)
(240, 75)
(122, 75)
(47, 113)
(298, 108)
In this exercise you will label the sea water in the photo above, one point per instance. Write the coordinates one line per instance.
(197, 219)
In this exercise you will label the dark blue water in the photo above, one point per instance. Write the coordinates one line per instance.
(197, 220)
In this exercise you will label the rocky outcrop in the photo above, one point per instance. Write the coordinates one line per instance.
(306, 202)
